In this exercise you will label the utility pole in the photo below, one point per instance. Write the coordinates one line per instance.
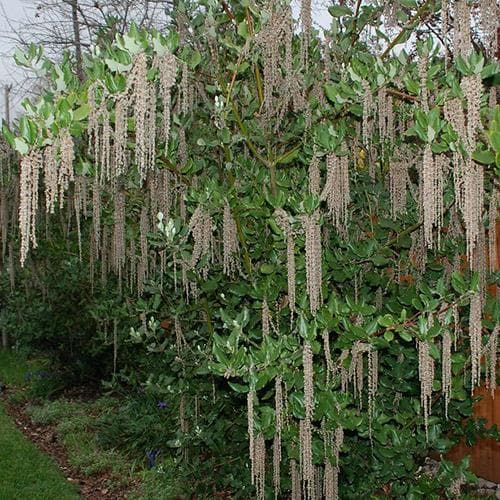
(6, 92)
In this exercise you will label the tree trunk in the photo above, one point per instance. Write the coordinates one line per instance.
(5, 339)
(77, 39)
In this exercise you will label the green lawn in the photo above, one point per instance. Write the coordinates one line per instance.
(25, 472)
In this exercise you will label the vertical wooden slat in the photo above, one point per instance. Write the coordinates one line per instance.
(485, 454)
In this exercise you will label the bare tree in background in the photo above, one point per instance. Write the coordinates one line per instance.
(76, 25)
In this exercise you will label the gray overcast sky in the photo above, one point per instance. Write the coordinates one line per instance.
(15, 11)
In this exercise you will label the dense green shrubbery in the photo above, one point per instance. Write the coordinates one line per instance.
(199, 338)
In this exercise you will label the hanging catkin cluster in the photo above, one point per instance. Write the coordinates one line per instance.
(462, 44)
(472, 89)
(283, 222)
(426, 377)
(356, 369)
(372, 383)
(306, 424)
(30, 168)
(201, 229)
(333, 441)
(432, 195)
(167, 70)
(265, 318)
(385, 115)
(489, 21)
(296, 493)
(230, 242)
(312, 231)
(121, 134)
(423, 63)
(475, 336)
(472, 210)
(278, 409)
(398, 182)
(336, 191)
(492, 230)
(306, 25)
(367, 112)
(143, 98)
(105, 146)
(491, 353)
(446, 375)
(274, 36)
(50, 173)
(314, 175)
(180, 340)
(119, 242)
(251, 435)
(260, 467)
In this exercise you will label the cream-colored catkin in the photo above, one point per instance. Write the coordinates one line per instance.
(475, 336)
(423, 64)
(445, 20)
(306, 25)
(180, 340)
(446, 375)
(432, 195)
(462, 43)
(492, 230)
(66, 171)
(296, 493)
(119, 244)
(30, 168)
(201, 229)
(312, 230)
(398, 182)
(372, 384)
(277, 454)
(144, 229)
(382, 112)
(283, 221)
(50, 173)
(332, 441)
(281, 85)
(251, 435)
(105, 149)
(491, 353)
(356, 369)
(167, 69)
(489, 23)
(307, 360)
(472, 87)
(186, 90)
(314, 175)
(367, 112)
(230, 243)
(473, 200)
(144, 107)
(305, 440)
(336, 191)
(93, 122)
(426, 377)
(306, 424)
(120, 159)
(330, 366)
(260, 467)
(265, 318)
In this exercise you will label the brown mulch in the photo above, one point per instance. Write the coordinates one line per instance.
(95, 487)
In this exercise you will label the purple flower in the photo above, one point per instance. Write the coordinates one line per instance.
(161, 405)
(152, 456)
